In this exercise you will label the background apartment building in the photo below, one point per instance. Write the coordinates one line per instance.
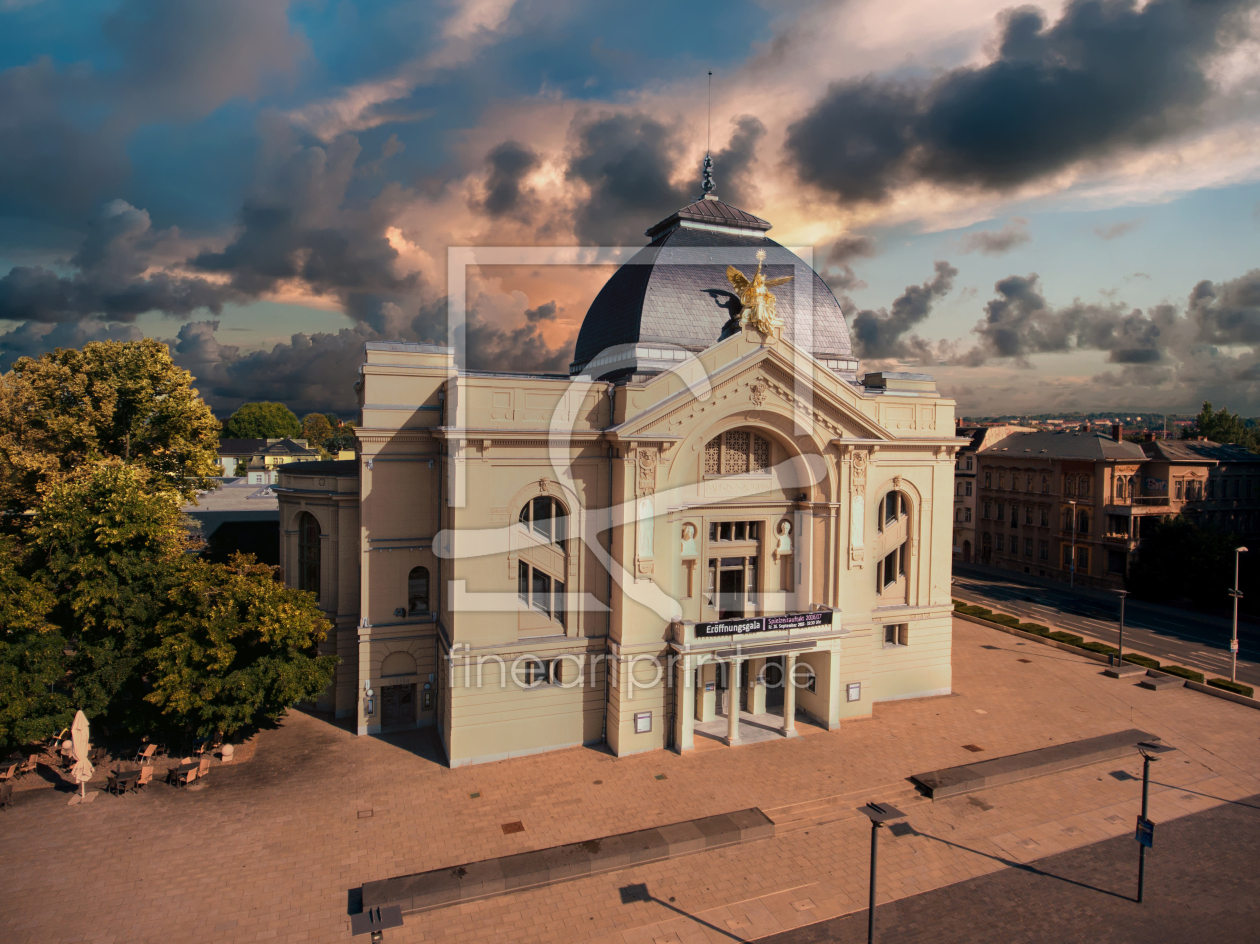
(1049, 500)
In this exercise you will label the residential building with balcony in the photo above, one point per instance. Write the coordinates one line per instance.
(965, 487)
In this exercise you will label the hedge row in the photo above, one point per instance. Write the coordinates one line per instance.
(1183, 672)
(1074, 640)
(1238, 688)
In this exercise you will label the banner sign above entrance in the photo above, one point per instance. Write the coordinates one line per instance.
(764, 624)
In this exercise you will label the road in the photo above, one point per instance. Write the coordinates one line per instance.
(1176, 636)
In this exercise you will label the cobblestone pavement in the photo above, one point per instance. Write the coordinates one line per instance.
(268, 850)
(1201, 885)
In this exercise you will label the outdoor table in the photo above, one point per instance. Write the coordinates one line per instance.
(123, 779)
(181, 770)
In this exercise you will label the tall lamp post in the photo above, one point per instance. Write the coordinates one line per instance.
(1122, 594)
(879, 814)
(1233, 642)
(1145, 828)
(1072, 568)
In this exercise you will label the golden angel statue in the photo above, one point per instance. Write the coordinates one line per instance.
(759, 306)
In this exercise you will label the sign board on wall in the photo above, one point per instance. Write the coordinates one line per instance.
(764, 624)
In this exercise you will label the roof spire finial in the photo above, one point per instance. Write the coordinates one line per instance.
(708, 185)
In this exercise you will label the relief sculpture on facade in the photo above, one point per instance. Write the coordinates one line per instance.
(857, 508)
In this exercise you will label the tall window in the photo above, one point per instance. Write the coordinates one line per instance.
(891, 508)
(308, 553)
(546, 518)
(737, 452)
(418, 591)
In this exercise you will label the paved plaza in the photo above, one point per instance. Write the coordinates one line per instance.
(270, 848)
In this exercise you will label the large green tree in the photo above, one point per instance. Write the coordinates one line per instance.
(122, 400)
(262, 421)
(1223, 426)
(235, 646)
(1179, 560)
(316, 429)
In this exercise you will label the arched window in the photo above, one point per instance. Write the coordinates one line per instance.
(546, 517)
(1083, 523)
(308, 553)
(542, 567)
(891, 507)
(737, 452)
(418, 591)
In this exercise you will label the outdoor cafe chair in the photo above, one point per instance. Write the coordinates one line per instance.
(32, 762)
(145, 778)
(187, 777)
(146, 754)
(6, 773)
(6, 795)
(204, 766)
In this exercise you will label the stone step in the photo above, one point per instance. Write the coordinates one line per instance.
(493, 877)
(833, 809)
(1160, 682)
(952, 781)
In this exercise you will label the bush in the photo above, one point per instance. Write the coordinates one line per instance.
(959, 604)
(1070, 638)
(1035, 628)
(1003, 619)
(1182, 672)
(1143, 661)
(974, 611)
(1236, 687)
(1101, 647)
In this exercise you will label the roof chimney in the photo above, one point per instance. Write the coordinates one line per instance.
(1117, 432)
(1148, 436)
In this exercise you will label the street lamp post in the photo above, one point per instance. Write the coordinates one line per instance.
(1122, 594)
(1233, 642)
(1072, 567)
(1145, 828)
(879, 814)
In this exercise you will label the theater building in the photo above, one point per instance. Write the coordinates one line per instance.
(642, 552)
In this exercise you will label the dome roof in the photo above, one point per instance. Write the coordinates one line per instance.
(672, 297)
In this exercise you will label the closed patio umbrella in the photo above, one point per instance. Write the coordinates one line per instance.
(82, 769)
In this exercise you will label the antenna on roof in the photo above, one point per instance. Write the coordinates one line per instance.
(708, 185)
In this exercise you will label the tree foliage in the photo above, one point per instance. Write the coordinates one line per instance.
(1179, 560)
(316, 429)
(34, 702)
(236, 646)
(1223, 427)
(264, 420)
(106, 610)
(120, 400)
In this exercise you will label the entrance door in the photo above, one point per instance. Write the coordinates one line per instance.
(774, 682)
(731, 591)
(398, 705)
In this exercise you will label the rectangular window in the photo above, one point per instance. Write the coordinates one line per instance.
(1082, 558)
(1177, 489)
(969, 463)
(542, 517)
(1043, 551)
(879, 577)
(1045, 517)
(1001, 512)
(522, 581)
(542, 592)
(1045, 484)
(890, 569)
(1001, 480)
(986, 510)
(988, 480)
(968, 492)
(1028, 514)
(901, 561)
(710, 589)
(966, 514)
(897, 634)
(1028, 546)
(1067, 555)
(558, 607)
(1000, 542)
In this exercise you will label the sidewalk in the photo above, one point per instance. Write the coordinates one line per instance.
(269, 850)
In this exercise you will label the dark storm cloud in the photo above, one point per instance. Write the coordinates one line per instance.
(1019, 323)
(1107, 75)
(837, 268)
(996, 242)
(33, 338)
(298, 227)
(627, 162)
(882, 334)
(509, 163)
(1228, 313)
(110, 282)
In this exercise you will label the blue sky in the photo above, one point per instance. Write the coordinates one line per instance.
(1054, 210)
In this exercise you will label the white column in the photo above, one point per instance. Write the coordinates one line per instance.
(732, 704)
(685, 717)
(789, 695)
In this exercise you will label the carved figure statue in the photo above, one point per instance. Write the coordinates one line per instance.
(783, 541)
(689, 548)
(760, 308)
